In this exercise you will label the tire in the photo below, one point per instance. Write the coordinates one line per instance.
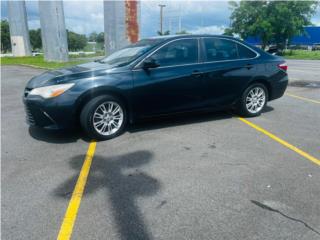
(96, 118)
(258, 101)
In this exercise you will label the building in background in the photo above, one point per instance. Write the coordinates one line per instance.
(19, 33)
(121, 24)
(53, 31)
(309, 40)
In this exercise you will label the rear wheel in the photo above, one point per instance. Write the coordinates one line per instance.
(253, 100)
(103, 118)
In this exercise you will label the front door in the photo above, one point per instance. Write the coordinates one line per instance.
(175, 85)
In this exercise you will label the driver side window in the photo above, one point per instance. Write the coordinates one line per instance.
(179, 52)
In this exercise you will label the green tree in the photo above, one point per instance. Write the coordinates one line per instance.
(76, 41)
(182, 32)
(93, 37)
(273, 21)
(164, 33)
(228, 32)
(100, 37)
(5, 37)
(35, 39)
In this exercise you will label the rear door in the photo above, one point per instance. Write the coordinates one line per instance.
(228, 66)
(175, 85)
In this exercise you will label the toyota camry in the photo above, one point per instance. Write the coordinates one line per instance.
(153, 77)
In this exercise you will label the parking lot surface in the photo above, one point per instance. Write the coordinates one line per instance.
(205, 176)
(303, 70)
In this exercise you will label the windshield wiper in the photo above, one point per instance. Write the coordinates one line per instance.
(122, 64)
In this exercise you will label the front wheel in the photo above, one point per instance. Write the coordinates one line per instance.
(103, 117)
(253, 100)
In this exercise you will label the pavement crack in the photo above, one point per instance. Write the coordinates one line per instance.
(161, 204)
(212, 146)
(266, 207)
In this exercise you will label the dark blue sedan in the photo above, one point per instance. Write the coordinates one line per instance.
(156, 76)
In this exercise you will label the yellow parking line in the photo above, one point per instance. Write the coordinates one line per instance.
(281, 141)
(303, 98)
(74, 204)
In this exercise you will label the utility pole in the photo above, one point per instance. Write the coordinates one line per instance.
(19, 32)
(180, 29)
(161, 16)
(53, 31)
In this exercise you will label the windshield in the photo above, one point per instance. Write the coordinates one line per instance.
(130, 53)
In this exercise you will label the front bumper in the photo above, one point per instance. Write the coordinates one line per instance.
(54, 113)
(35, 116)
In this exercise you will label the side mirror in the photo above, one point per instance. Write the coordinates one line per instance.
(150, 63)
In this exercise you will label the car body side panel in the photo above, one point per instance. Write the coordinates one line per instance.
(167, 90)
(224, 80)
(275, 78)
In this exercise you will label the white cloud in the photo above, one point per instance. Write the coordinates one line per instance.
(209, 30)
(81, 17)
(84, 17)
(194, 16)
(316, 20)
(197, 16)
(97, 16)
(34, 24)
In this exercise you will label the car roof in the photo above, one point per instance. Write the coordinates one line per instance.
(167, 37)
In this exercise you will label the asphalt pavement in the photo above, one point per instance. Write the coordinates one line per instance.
(303, 70)
(207, 176)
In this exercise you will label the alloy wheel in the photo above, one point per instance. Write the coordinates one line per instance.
(108, 118)
(255, 100)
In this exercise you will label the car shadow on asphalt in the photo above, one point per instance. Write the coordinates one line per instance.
(57, 136)
(185, 119)
(267, 109)
(73, 135)
(124, 181)
(178, 120)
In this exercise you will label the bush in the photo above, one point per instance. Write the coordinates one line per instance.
(76, 41)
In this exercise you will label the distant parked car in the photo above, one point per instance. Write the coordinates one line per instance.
(273, 50)
(35, 53)
(156, 76)
(316, 47)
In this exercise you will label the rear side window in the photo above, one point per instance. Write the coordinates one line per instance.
(245, 52)
(179, 52)
(222, 49)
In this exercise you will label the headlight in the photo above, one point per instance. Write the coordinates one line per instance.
(51, 91)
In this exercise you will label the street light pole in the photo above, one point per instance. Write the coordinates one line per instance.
(161, 16)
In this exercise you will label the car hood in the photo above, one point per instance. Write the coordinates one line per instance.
(68, 74)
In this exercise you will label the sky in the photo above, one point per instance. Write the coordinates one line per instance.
(196, 16)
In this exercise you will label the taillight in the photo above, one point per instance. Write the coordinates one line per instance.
(283, 66)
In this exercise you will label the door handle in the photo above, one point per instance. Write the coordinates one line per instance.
(249, 66)
(196, 73)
